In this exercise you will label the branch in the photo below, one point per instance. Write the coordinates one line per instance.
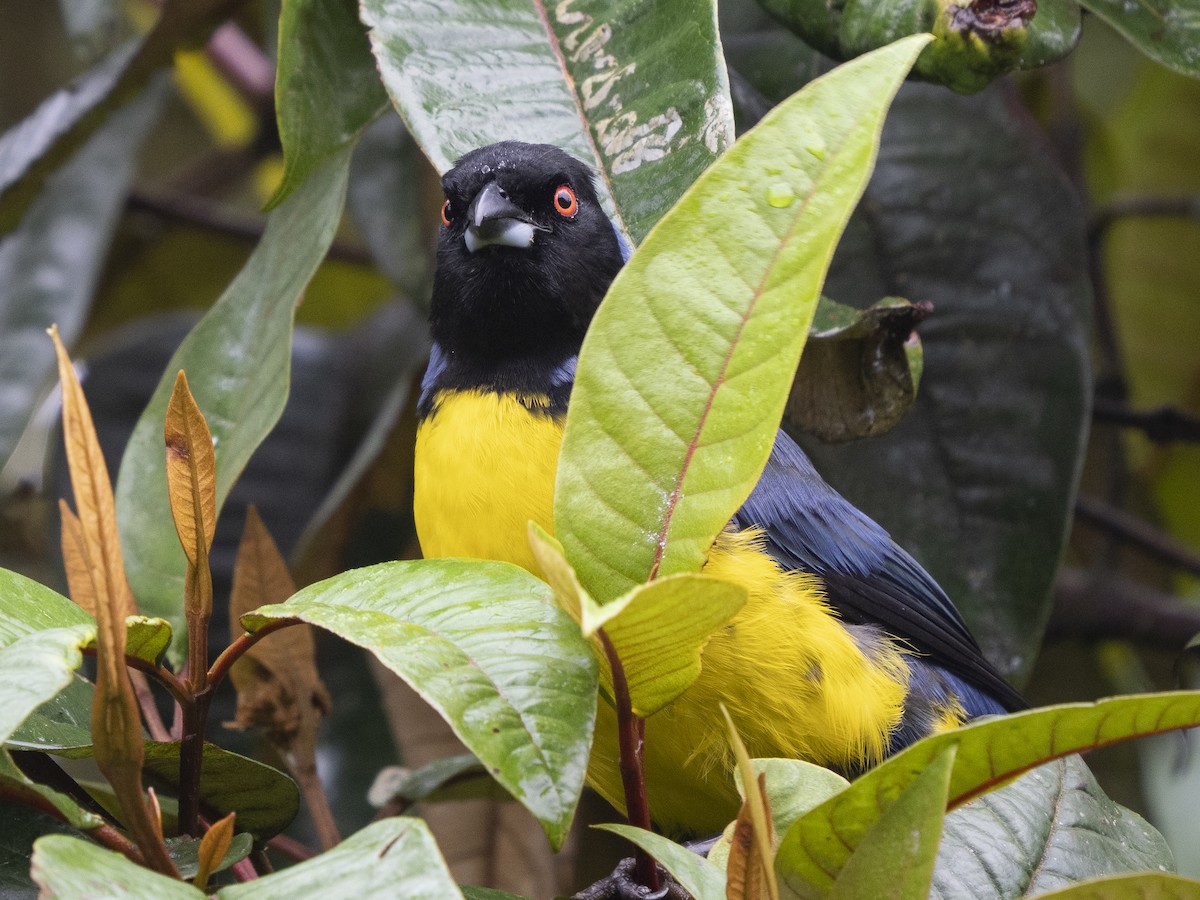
(1143, 207)
(1137, 532)
(1107, 605)
(1162, 425)
(220, 668)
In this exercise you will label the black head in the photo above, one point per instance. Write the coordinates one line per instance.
(525, 255)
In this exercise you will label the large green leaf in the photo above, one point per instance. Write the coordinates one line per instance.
(685, 369)
(63, 122)
(327, 88)
(990, 752)
(1050, 828)
(20, 826)
(636, 90)
(393, 858)
(50, 264)
(978, 481)
(27, 607)
(1143, 886)
(72, 869)
(1167, 31)
(701, 879)
(237, 359)
(264, 799)
(508, 670)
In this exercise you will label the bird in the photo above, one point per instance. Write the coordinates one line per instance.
(846, 651)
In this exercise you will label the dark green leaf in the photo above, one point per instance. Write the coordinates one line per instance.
(482, 644)
(34, 668)
(392, 858)
(71, 868)
(636, 90)
(50, 264)
(186, 856)
(237, 359)
(697, 875)
(685, 369)
(1167, 31)
(327, 88)
(1050, 828)
(264, 799)
(482, 893)
(978, 481)
(859, 372)
(1145, 886)
(20, 826)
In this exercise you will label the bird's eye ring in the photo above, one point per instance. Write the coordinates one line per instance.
(565, 202)
(446, 213)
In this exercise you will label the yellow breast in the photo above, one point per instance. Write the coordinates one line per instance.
(485, 466)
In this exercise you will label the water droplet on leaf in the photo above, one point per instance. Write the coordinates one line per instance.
(780, 195)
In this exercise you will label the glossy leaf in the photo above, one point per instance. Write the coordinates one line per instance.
(264, 798)
(212, 850)
(1167, 31)
(34, 668)
(1143, 886)
(508, 671)
(59, 126)
(240, 354)
(663, 443)
(895, 857)
(17, 787)
(327, 88)
(638, 92)
(657, 629)
(700, 878)
(990, 752)
(393, 858)
(30, 607)
(859, 373)
(68, 867)
(65, 721)
(1050, 828)
(50, 264)
(185, 852)
(20, 826)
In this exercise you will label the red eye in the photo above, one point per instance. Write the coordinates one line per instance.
(565, 202)
(446, 213)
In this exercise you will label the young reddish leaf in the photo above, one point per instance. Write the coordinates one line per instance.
(279, 689)
(213, 847)
(752, 855)
(191, 472)
(116, 723)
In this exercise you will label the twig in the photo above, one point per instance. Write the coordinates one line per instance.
(150, 715)
(220, 668)
(1162, 425)
(317, 802)
(1143, 207)
(163, 676)
(1137, 532)
(241, 61)
(631, 732)
(1106, 605)
(291, 848)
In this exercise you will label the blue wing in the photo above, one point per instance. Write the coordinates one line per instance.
(869, 578)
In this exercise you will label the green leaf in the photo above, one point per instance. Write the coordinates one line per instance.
(859, 372)
(145, 638)
(327, 89)
(895, 857)
(17, 787)
(1143, 886)
(793, 788)
(64, 721)
(657, 629)
(185, 853)
(265, 799)
(990, 752)
(64, 121)
(1052, 827)
(685, 369)
(482, 893)
(27, 607)
(50, 265)
(507, 670)
(237, 359)
(393, 858)
(70, 868)
(698, 876)
(34, 668)
(1167, 31)
(638, 91)
(20, 826)
(450, 778)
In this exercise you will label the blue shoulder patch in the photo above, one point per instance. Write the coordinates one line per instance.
(437, 365)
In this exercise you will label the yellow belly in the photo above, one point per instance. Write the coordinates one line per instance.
(485, 466)
(795, 681)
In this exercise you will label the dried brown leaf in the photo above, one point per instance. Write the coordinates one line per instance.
(761, 856)
(213, 847)
(191, 472)
(743, 871)
(81, 574)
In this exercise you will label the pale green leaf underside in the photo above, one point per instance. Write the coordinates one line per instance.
(687, 364)
(508, 671)
(702, 880)
(71, 868)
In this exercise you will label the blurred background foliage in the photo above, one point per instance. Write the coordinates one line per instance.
(1053, 221)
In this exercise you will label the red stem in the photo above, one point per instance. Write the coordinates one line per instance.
(231, 654)
(631, 732)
